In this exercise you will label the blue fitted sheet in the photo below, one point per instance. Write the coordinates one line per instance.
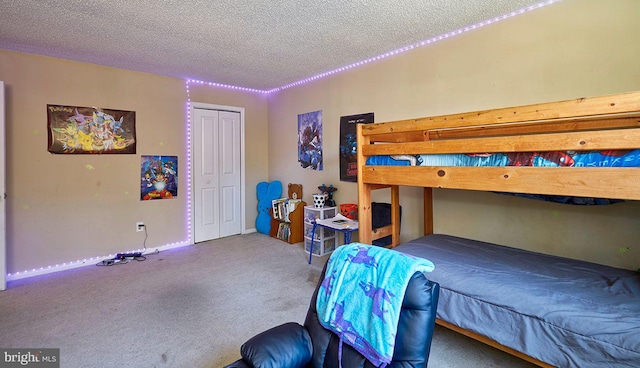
(564, 312)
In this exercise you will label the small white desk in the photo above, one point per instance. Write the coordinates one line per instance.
(338, 223)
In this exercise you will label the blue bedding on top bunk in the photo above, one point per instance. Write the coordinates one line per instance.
(626, 158)
(564, 312)
(619, 158)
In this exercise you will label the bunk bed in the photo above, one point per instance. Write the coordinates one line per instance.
(548, 310)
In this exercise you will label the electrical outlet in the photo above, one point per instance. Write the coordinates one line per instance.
(139, 226)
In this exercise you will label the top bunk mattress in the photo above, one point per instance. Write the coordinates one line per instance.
(561, 311)
(615, 158)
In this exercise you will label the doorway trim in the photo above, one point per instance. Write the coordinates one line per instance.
(208, 106)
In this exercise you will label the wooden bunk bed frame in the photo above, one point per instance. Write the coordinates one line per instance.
(586, 124)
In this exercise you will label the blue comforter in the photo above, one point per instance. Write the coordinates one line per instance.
(564, 312)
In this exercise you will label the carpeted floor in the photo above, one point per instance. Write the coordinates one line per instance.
(184, 308)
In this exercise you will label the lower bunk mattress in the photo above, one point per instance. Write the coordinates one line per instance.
(564, 312)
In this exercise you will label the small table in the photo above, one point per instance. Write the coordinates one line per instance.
(338, 223)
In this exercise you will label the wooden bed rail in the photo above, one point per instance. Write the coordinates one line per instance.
(582, 113)
(510, 129)
(492, 343)
(618, 183)
(610, 139)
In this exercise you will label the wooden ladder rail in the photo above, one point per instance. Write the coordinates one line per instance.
(366, 234)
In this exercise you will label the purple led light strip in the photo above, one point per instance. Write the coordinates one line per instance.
(385, 55)
(227, 86)
(416, 45)
(188, 154)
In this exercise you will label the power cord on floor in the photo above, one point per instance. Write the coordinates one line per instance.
(123, 258)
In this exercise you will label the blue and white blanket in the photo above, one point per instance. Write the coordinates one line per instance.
(361, 296)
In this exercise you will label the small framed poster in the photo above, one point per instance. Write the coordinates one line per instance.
(348, 145)
(158, 177)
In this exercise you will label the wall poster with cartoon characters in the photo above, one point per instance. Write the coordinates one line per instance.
(310, 140)
(159, 177)
(348, 145)
(90, 130)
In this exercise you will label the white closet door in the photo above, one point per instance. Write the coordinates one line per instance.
(229, 173)
(205, 176)
(216, 174)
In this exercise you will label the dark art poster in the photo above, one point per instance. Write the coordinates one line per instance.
(310, 140)
(90, 130)
(159, 177)
(348, 145)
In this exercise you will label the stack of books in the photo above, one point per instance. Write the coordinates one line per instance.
(283, 207)
(284, 231)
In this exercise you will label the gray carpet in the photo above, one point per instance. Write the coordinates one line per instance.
(190, 307)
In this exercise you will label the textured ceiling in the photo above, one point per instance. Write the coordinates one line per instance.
(260, 44)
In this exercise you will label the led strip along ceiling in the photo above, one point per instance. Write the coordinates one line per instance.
(385, 55)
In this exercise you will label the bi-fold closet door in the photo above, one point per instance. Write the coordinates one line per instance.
(216, 174)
